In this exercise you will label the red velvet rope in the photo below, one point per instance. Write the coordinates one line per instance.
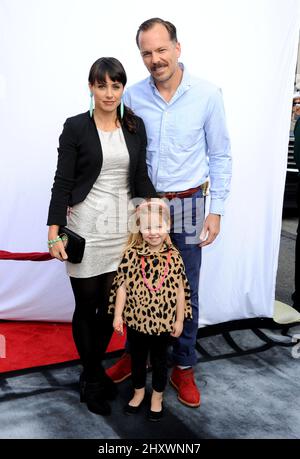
(29, 256)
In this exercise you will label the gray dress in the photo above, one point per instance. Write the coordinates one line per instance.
(102, 218)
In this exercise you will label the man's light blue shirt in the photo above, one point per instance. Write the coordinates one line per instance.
(187, 136)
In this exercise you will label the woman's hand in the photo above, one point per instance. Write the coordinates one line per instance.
(58, 249)
(177, 328)
(118, 325)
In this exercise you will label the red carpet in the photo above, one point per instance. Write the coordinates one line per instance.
(33, 344)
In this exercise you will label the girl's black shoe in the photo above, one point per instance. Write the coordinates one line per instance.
(129, 409)
(155, 415)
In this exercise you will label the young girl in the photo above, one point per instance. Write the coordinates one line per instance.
(151, 295)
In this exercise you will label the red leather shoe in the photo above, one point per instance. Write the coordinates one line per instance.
(121, 370)
(184, 383)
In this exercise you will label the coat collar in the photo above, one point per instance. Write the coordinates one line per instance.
(143, 249)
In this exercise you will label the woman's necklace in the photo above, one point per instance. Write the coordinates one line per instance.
(161, 279)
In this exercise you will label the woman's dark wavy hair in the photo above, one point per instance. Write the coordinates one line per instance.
(116, 72)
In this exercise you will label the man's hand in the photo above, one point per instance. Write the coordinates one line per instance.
(211, 229)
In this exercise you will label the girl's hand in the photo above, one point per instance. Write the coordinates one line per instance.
(177, 328)
(118, 325)
(58, 251)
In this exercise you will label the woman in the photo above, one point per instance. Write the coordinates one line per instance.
(101, 165)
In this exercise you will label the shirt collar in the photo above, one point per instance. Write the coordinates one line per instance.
(143, 249)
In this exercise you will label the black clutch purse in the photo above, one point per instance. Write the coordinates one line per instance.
(74, 244)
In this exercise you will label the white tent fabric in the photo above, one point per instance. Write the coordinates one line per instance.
(247, 48)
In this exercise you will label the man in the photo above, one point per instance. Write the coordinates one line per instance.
(185, 122)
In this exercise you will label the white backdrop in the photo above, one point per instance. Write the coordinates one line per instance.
(246, 47)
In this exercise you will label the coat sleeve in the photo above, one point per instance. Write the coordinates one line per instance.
(64, 176)
(119, 278)
(143, 185)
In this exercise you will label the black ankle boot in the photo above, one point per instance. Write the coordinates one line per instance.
(110, 389)
(92, 393)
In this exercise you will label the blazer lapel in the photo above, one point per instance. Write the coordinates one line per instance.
(130, 140)
(96, 146)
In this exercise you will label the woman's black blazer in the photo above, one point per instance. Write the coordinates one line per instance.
(80, 161)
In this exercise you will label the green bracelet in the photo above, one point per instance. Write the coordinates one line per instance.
(51, 242)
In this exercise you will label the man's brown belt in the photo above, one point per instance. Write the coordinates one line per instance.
(185, 193)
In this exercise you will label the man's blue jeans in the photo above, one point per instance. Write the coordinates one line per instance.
(187, 223)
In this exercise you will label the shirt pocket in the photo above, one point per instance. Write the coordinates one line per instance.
(185, 133)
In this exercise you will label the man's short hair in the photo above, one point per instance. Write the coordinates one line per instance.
(146, 25)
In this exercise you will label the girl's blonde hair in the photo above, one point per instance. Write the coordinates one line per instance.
(149, 205)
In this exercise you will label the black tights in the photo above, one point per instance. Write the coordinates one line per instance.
(91, 325)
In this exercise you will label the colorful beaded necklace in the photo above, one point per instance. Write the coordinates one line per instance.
(161, 279)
